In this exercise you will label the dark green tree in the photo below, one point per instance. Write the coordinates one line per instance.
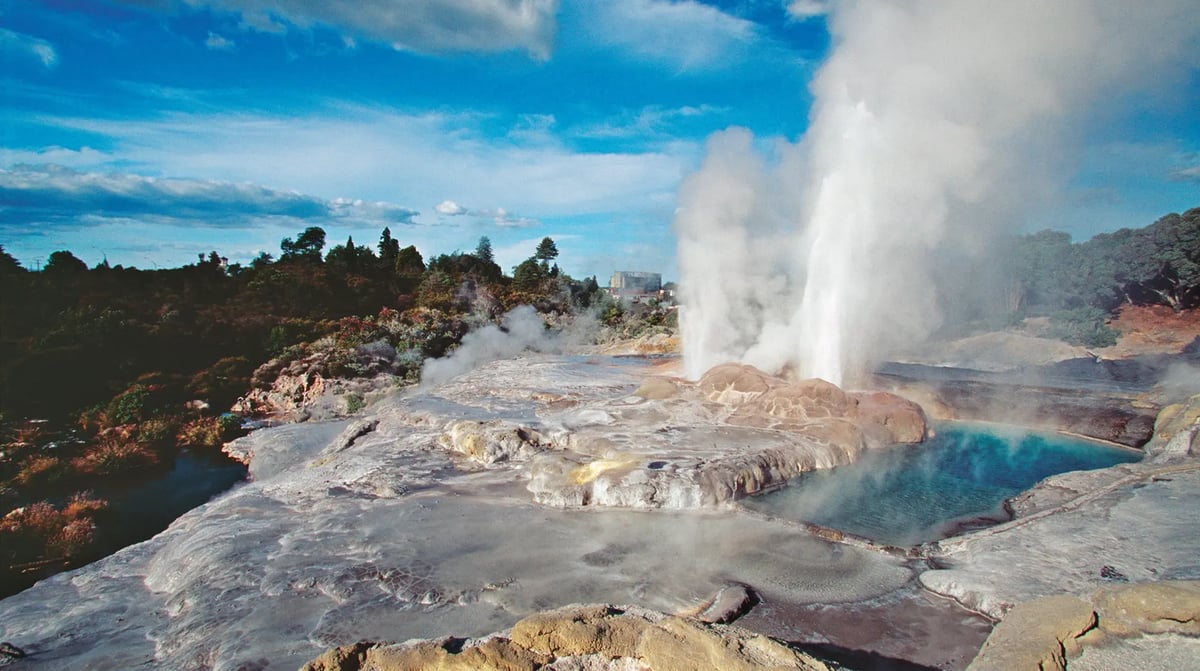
(9, 265)
(389, 249)
(263, 260)
(307, 247)
(350, 258)
(546, 252)
(483, 251)
(409, 262)
(529, 274)
(64, 263)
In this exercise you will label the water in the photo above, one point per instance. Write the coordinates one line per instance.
(139, 507)
(906, 495)
(147, 508)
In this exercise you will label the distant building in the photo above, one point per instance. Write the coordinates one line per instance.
(628, 284)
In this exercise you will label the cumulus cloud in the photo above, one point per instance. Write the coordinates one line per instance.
(424, 26)
(506, 219)
(216, 42)
(685, 35)
(807, 9)
(450, 208)
(28, 45)
(55, 195)
(498, 216)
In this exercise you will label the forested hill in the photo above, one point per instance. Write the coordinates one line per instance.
(75, 336)
(1079, 285)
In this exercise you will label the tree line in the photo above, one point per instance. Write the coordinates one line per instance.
(1080, 285)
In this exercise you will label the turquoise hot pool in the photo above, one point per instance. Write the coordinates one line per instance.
(906, 495)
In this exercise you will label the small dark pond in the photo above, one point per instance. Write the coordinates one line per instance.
(906, 495)
(146, 508)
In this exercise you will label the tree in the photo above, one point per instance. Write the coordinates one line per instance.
(409, 262)
(1165, 257)
(483, 250)
(263, 260)
(63, 262)
(9, 265)
(389, 249)
(308, 245)
(350, 258)
(528, 275)
(546, 252)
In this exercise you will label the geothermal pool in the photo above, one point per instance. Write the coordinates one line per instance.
(959, 478)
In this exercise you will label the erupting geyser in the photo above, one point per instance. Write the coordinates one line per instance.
(934, 125)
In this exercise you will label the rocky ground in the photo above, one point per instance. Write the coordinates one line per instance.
(541, 481)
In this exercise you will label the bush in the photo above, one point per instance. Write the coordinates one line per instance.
(1083, 326)
(115, 450)
(128, 407)
(40, 531)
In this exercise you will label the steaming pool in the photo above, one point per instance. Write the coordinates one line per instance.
(957, 479)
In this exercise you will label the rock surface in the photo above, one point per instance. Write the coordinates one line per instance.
(1104, 410)
(418, 527)
(1076, 532)
(736, 432)
(1045, 633)
(583, 637)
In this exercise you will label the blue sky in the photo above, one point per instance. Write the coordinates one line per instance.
(153, 130)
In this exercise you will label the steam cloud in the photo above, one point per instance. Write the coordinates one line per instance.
(521, 329)
(935, 125)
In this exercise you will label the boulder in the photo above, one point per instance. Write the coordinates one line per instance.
(491, 442)
(889, 419)
(1045, 633)
(1039, 634)
(735, 383)
(599, 637)
(1176, 430)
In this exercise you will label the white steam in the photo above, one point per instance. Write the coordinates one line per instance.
(521, 329)
(935, 124)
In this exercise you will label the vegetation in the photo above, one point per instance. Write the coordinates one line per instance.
(109, 372)
(1080, 285)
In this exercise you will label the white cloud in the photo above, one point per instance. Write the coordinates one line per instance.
(807, 9)
(450, 208)
(49, 195)
(20, 43)
(218, 43)
(506, 219)
(384, 155)
(1189, 174)
(651, 122)
(685, 35)
(425, 26)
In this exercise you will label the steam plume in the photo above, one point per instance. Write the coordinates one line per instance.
(521, 329)
(935, 124)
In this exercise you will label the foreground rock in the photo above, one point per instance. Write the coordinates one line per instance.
(1045, 633)
(593, 638)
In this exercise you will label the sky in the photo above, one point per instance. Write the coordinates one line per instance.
(146, 132)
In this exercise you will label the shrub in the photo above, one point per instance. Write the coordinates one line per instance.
(1083, 326)
(40, 469)
(115, 450)
(203, 432)
(128, 407)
